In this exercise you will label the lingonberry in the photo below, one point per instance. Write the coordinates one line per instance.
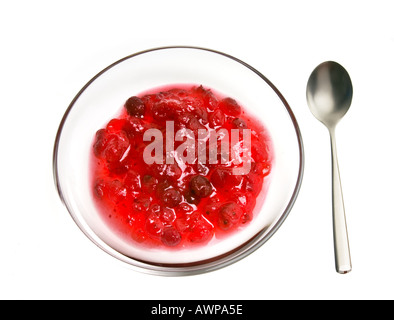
(200, 186)
(171, 237)
(135, 107)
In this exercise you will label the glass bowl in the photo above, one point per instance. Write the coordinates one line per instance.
(101, 99)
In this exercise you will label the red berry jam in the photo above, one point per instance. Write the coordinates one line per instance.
(179, 167)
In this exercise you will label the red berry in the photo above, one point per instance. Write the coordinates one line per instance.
(139, 235)
(211, 210)
(148, 183)
(171, 172)
(183, 209)
(219, 177)
(184, 118)
(210, 101)
(239, 123)
(181, 224)
(217, 118)
(136, 126)
(254, 183)
(167, 216)
(200, 113)
(223, 178)
(163, 111)
(132, 181)
(171, 237)
(116, 147)
(135, 107)
(113, 190)
(200, 186)
(100, 143)
(193, 124)
(230, 107)
(202, 231)
(191, 198)
(171, 197)
(111, 146)
(153, 226)
(155, 210)
(246, 217)
(99, 188)
(229, 215)
(117, 125)
(141, 203)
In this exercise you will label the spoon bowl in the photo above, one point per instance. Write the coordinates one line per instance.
(329, 95)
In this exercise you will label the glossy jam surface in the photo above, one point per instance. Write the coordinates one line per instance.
(188, 192)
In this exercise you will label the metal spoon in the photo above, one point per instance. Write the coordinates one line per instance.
(329, 95)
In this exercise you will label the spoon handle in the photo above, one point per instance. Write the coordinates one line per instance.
(341, 242)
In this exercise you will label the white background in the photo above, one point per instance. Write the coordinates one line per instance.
(50, 49)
